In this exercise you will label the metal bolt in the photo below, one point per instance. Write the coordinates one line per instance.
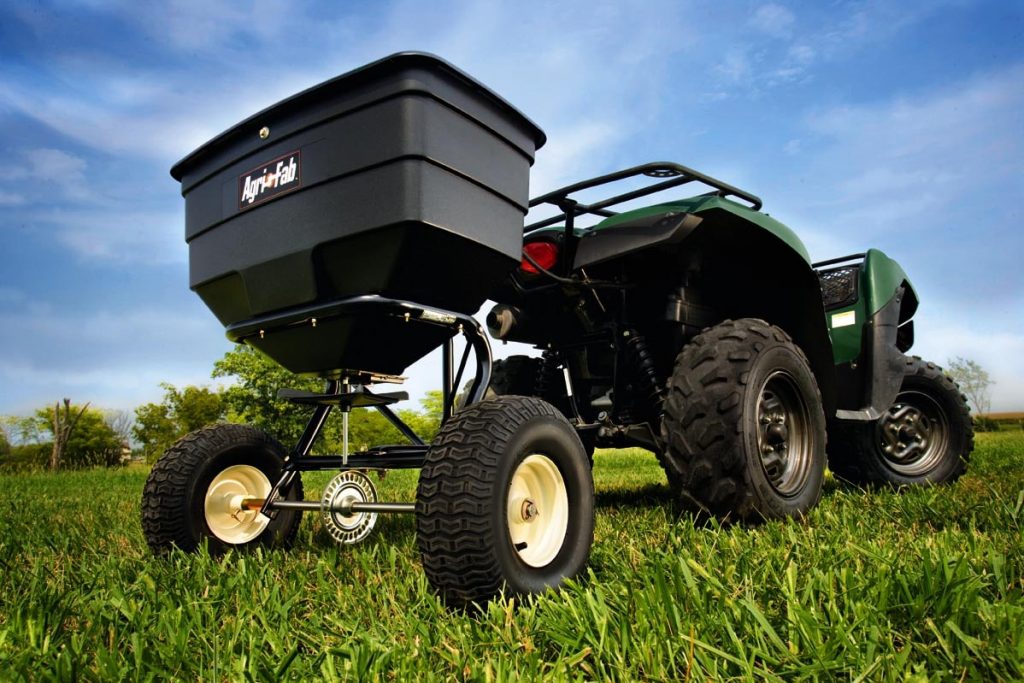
(529, 509)
(264, 133)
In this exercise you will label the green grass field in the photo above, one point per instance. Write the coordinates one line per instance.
(872, 586)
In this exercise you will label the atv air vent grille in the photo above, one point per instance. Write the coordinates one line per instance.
(839, 286)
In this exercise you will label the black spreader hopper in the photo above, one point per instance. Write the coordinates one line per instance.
(405, 179)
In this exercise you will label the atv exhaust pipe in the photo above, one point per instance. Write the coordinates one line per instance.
(503, 321)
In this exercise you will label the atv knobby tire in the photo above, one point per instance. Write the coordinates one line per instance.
(744, 425)
(926, 437)
(505, 502)
(213, 464)
(514, 376)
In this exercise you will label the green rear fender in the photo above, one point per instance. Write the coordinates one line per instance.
(710, 204)
(753, 266)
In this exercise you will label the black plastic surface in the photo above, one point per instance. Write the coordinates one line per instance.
(411, 181)
(644, 233)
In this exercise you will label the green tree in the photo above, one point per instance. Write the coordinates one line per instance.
(158, 425)
(22, 429)
(427, 421)
(5, 444)
(974, 382)
(253, 400)
(91, 442)
(27, 448)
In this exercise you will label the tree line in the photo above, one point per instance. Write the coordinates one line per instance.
(68, 436)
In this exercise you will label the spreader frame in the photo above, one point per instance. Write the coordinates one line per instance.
(348, 388)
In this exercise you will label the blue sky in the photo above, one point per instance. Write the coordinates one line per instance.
(896, 125)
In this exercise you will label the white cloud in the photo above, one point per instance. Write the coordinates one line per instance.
(776, 46)
(118, 234)
(735, 66)
(55, 165)
(58, 169)
(889, 162)
(946, 332)
(568, 154)
(11, 199)
(116, 359)
(775, 20)
(910, 175)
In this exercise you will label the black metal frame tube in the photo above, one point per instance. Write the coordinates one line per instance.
(682, 175)
(302, 448)
(400, 425)
(407, 310)
(447, 380)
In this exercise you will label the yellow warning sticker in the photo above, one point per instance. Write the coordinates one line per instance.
(844, 319)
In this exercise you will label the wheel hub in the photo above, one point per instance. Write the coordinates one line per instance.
(225, 516)
(783, 435)
(537, 510)
(342, 491)
(913, 434)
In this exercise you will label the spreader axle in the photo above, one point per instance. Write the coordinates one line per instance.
(345, 506)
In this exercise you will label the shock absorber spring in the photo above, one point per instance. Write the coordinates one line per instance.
(548, 375)
(643, 365)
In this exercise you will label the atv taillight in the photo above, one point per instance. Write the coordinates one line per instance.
(544, 253)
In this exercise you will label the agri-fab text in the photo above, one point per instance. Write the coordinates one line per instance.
(272, 179)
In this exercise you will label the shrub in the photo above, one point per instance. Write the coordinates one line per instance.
(27, 457)
(985, 424)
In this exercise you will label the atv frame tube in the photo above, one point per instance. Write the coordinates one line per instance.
(677, 175)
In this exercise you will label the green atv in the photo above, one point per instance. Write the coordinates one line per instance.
(699, 329)
(351, 229)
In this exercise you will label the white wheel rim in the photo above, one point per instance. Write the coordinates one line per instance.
(537, 510)
(224, 514)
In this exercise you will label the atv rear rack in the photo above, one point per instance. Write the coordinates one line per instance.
(676, 175)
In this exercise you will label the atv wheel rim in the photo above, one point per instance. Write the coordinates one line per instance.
(537, 510)
(783, 434)
(223, 506)
(914, 434)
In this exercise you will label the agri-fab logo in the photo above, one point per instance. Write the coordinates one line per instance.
(269, 180)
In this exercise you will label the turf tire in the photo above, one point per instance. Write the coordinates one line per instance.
(856, 449)
(712, 424)
(174, 496)
(462, 501)
(518, 376)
